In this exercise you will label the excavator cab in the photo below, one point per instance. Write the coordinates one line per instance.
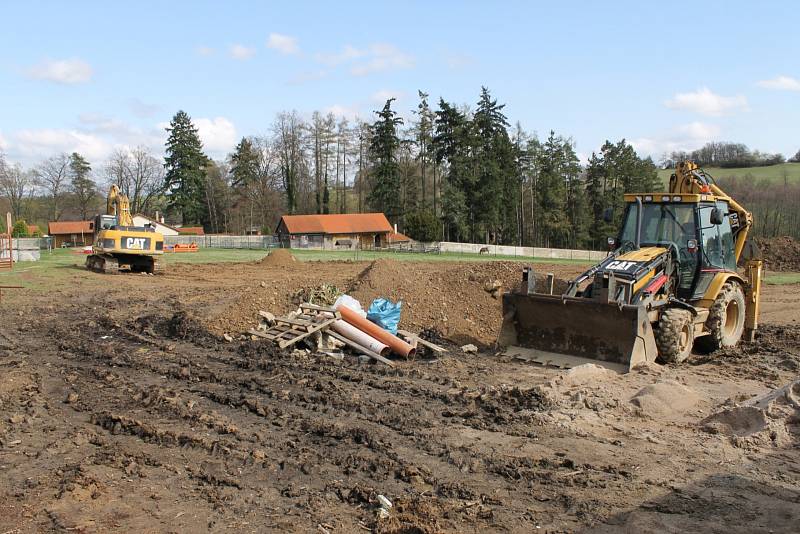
(119, 244)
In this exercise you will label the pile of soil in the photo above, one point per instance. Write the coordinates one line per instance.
(451, 297)
(780, 253)
(280, 257)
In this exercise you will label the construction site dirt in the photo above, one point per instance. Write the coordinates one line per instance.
(124, 409)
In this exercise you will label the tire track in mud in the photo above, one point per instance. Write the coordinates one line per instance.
(265, 418)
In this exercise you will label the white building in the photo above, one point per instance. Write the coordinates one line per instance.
(161, 228)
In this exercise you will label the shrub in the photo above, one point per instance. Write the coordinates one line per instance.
(20, 229)
(422, 225)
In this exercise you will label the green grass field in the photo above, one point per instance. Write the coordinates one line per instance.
(777, 279)
(773, 174)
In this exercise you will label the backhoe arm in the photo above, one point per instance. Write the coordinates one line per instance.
(689, 178)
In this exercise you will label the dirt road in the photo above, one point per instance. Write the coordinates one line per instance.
(123, 411)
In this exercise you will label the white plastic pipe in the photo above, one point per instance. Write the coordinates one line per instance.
(362, 338)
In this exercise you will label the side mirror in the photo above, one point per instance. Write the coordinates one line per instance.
(716, 216)
(608, 215)
(612, 243)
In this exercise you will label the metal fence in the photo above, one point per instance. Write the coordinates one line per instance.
(224, 241)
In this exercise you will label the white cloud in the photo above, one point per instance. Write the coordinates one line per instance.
(781, 83)
(66, 71)
(3, 142)
(45, 142)
(340, 111)
(284, 44)
(686, 137)
(706, 102)
(204, 51)
(218, 134)
(382, 57)
(348, 53)
(143, 109)
(241, 52)
(380, 97)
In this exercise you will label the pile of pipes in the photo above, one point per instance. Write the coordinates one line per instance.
(329, 329)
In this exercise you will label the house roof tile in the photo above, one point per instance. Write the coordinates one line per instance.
(347, 223)
(69, 227)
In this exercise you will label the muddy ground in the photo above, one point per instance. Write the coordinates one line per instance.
(122, 410)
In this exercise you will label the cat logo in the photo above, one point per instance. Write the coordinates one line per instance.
(622, 265)
(134, 243)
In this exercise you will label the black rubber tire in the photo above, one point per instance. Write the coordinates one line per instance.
(725, 322)
(675, 335)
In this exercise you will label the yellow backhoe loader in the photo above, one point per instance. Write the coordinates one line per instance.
(118, 244)
(680, 274)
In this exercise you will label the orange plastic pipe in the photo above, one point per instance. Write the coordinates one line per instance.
(395, 343)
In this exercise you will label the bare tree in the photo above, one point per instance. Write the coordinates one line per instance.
(288, 130)
(53, 175)
(15, 184)
(139, 174)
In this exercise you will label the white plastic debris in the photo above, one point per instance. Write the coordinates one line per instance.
(385, 503)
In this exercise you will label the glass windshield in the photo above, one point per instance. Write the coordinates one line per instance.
(661, 223)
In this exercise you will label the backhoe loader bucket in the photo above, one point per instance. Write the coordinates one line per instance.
(561, 331)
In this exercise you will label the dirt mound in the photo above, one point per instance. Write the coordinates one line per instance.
(664, 397)
(280, 257)
(451, 297)
(780, 253)
(771, 418)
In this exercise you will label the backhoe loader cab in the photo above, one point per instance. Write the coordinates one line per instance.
(670, 282)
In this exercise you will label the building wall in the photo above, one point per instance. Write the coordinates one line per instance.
(138, 220)
(75, 240)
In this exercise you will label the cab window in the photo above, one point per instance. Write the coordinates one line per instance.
(718, 242)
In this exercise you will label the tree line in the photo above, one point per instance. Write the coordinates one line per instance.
(449, 172)
(443, 172)
(727, 155)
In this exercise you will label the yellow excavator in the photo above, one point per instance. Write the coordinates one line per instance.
(118, 244)
(681, 274)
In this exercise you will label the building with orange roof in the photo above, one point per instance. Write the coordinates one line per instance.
(71, 233)
(335, 232)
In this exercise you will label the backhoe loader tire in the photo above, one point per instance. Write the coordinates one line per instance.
(725, 322)
(675, 335)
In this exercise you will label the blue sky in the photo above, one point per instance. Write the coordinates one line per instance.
(93, 76)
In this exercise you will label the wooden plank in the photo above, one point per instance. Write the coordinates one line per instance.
(316, 328)
(294, 322)
(258, 333)
(362, 349)
(318, 308)
(414, 337)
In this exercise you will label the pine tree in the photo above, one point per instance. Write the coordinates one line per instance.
(453, 146)
(185, 162)
(424, 130)
(386, 191)
(83, 187)
(244, 164)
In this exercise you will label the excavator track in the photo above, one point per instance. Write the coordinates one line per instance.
(100, 263)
